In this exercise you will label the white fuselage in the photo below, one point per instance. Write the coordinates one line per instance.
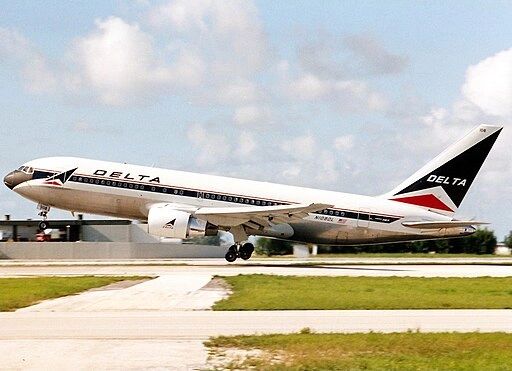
(128, 191)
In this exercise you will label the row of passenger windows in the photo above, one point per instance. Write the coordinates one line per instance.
(332, 212)
(180, 192)
(216, 197)
(241, 200)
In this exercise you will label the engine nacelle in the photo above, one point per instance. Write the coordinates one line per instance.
(164, 221)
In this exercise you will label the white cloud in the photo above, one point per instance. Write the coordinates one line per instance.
(18, 51)
(246, 144)
(230, 29)
(344, 143)
(489, 84)
(212, 147)
(252, 115)
(119, 62)
(300, 147)
(346, 96)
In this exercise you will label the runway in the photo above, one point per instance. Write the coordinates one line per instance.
(493, 267)
(162, 323)
(199, 325)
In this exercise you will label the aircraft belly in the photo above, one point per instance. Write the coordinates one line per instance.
(347, 234)
(92, 202)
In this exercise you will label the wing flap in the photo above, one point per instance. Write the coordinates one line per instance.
(260, 215)
(442, 224)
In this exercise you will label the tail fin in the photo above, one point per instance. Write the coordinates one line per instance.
(442, 183)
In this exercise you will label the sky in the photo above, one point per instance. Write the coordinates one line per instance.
(350, 96)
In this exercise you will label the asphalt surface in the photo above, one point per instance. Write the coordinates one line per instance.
(495, 267)
(162, 323)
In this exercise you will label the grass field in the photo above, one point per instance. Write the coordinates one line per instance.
(265, 292)
(374, 351)
(21, 292)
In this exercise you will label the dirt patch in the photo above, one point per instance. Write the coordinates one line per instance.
(218, 284)
(120, 285)
(242, 359)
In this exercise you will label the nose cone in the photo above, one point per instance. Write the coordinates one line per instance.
(16, 177)
(9, 180)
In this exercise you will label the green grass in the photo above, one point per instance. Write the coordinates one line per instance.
(21, 292)
(373, 351)
(265, 292)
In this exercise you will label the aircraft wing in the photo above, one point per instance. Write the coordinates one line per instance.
(257, 216)
(442, 224)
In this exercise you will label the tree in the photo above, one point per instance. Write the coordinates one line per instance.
(483, 241)
(269, 246)
(205, 240)
(508, 239)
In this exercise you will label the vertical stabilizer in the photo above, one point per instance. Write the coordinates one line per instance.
(442, 183)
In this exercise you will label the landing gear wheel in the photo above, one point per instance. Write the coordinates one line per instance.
(246, 251)
(230, 256)
(43, 225)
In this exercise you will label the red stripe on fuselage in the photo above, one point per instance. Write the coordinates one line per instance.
(429, 200)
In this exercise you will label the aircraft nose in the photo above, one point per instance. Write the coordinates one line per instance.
(9, 180)
(16, 177)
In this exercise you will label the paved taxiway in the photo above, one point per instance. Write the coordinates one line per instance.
(163, 322)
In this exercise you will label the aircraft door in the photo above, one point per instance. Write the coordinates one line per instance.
(363, 218)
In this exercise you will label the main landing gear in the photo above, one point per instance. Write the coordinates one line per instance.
(243, 251)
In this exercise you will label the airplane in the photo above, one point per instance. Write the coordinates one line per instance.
(177, 204)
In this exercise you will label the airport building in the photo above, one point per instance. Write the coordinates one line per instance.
(93, 239)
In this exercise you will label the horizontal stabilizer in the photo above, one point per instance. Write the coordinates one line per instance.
(442, 224)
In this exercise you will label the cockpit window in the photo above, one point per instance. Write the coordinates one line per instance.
(26, 169)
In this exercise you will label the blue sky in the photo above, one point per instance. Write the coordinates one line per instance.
(350, 96)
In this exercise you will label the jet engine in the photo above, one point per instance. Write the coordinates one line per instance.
(164, 221)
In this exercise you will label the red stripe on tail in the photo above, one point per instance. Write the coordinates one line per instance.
(429, 200)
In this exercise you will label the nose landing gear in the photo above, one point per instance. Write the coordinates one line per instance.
(243, 251)
(44, 210)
